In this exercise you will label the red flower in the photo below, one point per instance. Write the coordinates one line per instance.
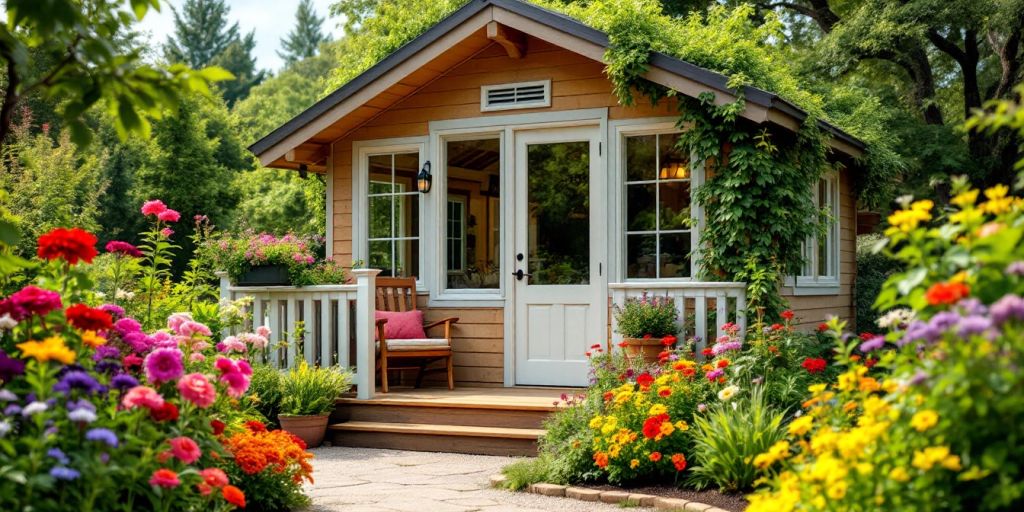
(255, 426)
(233, 495)
(866, 336)
(88, 319)
(822, 327)
(164, 478)
(623, 344)
(679, 461)
(608, 395)
(166, 412)
(669, 340)
(773, 349)
(652, 425)
(776, 327)
(946, 293)
(655, 456)
(217, 426)
(644, 380)
(131, 361)
(665, 392)
(870, 362)
(787, 315)
(723, 363)
(71, 245)
(647, 336)
(707, 352)
(814, 364)
(663, 356)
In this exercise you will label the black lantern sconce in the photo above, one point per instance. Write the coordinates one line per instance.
(303, 171)
(424, 178)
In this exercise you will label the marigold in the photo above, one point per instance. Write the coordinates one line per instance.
(654, 456)
(52, 348)
(679, 461)
(924, 420)
(601, 459)
(801, 425)
(277, 450)
(634, 463)
(233, 495)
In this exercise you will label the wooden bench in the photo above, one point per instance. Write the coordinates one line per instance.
(399, 294)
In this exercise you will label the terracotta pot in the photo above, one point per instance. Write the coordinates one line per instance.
(646, 350)
(310, 429)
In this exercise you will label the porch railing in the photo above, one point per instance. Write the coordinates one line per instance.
(324, 324)
(699, 304)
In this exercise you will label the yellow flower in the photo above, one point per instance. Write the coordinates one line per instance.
(974, 473)
(596, 422)
(998, 202)
(634, 463)
(92, 339)
(865, 468)
(817, 389)
(666, 429)
(966, 216)
(50, 348)
(924, 420)
(613, 450)
(609, 426)
(682, 426)
(929, 457)
(801, 425)
(657, 409)
(965, 199)
(837, 490)
(907, 220)
(899, 474)
(777, 452)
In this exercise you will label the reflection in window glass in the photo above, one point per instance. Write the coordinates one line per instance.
(658, 218)
(393, 213)
(473, 213)
(821, 259)
(558, 230)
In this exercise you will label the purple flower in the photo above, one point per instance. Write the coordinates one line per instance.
(918, 378)
(163, 365)
(942, 321)
(123, 249)
(64, 473)
(1016, 268)
(123, 382)
(720, 348)
(872, 344)
(921, 331)
(1010, 307)
(972, 325)
(56, 453)
(106, 352)
(108, 366)
(7, 395)
(102, 435)
(77, 379)
(714, 374)
(114, 310)
(126, 325)
(138, 341)
(10, 367)
(972, 306)
(12, 410)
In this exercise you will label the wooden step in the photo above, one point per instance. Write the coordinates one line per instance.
(435, 437)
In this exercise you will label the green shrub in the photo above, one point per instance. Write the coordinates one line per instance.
(872, 270)
(266, 391)
(311, 391)
(728, 437)
(640, 317)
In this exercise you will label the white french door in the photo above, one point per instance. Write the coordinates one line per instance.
(559, 276)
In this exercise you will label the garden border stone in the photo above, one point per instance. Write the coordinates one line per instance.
(617, 496)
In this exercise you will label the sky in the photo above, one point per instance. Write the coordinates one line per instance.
(272, 20)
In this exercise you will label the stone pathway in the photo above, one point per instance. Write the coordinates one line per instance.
(370, 480)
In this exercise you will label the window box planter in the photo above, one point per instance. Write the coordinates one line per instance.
(265, 275)
(643, 350)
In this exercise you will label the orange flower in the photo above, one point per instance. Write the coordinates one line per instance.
(91, 339)
(282, 452)
(664, 391)
(601, 459)
(946, 293)
(679, 461)
(655, 456)
(773, 349)
(723, 363)
(233, 495)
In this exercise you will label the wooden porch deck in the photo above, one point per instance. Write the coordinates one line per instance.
(489, 421)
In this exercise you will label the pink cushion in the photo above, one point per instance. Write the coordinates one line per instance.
(402, 325)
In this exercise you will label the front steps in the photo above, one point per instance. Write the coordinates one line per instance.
(484, 421)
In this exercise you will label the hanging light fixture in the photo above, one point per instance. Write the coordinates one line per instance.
(674, 169)
(424, 178)
(303, 171)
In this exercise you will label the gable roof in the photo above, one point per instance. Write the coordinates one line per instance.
(662, 68)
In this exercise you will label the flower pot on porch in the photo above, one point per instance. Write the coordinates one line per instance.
(310, 429)
(645, 350)
(265, 275)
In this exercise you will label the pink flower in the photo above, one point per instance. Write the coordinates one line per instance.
(142, 396)
(196, 388)
(190, 328)
(196, 357)
(263, 331)
(235, 374)
(164, 478)
(154, 207)
(232, 344)
(30, 300)
(123, 249)
(169, 215)
(185, 449)
(214, 477)
(167, 232)
(164, 365)
(174, 321)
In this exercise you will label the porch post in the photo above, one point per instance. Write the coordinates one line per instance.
(225, 294)
(365, 350)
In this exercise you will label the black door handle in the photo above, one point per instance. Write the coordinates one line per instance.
(520, 274)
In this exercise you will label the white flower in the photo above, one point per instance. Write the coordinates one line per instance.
(726, 394)
(5, 427)
(82, 415)
(124, 294)
(34, 408)
(7, 395)
(6, 322)
(895, 318)
(100, 295)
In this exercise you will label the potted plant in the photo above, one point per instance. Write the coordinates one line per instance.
(645, 323)
(263, 259)
(309, 395)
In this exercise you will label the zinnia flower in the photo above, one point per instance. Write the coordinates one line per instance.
(727, 393)
(233, 495)
(679, 461)
(30, 300)
(217, 426)
(166, 412)
(816, 364)
(644, 380)
(153, 207)
(185, 449)
(195, 388)
(164, 365)
(71, 245)
(88, 319)
(946, 293)
(164, 478)
(787, 315)
(123, 249)
(214, 477)
(169, 215)
(142, 396)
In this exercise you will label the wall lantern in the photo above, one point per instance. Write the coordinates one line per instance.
(675, 169)
(423, 179)
(303, 171)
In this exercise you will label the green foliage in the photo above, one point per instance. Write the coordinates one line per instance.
(268, 490)
(310, 391)
(655, 317)
(873, 269)
(728, 436)
(238, 254)
(266, 392)
(305, 39)
(523, 473)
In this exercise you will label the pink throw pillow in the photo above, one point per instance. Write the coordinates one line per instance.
(402, 325)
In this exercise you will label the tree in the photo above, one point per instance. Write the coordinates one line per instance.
(305, 39)
(202, 37)
(66, 49)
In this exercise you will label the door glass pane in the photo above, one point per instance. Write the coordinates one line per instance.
(558, 195)
(474, 204)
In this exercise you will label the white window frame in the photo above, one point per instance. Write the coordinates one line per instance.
(617, 154)
(810, 283)
(361, 153)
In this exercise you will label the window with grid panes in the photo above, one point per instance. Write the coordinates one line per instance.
(393, 213)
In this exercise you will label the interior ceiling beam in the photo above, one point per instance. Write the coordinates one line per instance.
(512, 40)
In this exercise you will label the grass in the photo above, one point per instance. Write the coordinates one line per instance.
(521, 474)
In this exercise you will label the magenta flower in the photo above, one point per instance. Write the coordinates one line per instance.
(163, 365)
(29, 301)
(126, 326)
(167, 232)
(154, 207)
(123, 249)
(169, 215)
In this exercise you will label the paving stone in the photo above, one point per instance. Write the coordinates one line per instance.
(498, 480)
(473, 502)
(614, 496)
(548, 489)
(698, 507)
(715, 509)
(669, 503)
(579, 493)
(643, 500)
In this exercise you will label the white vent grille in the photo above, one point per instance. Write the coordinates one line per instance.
(512, 96)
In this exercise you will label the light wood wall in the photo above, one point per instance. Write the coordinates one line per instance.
(576, 83)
